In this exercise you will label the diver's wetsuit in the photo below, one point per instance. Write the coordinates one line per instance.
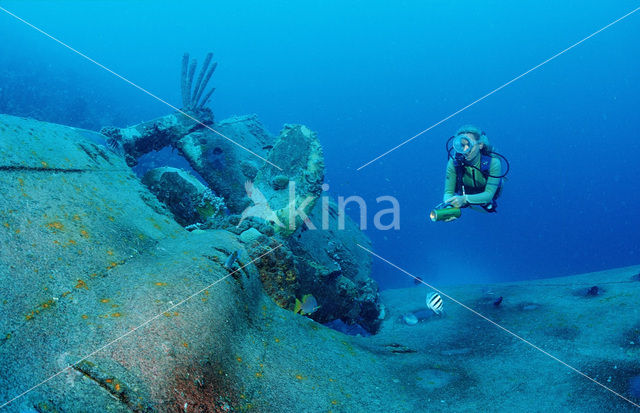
(479, 191)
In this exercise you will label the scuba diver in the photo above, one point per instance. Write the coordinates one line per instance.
(474, 174)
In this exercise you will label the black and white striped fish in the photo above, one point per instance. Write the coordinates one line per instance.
(434, 302)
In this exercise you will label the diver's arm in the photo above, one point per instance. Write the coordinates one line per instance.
(492, 185)
(450, 181)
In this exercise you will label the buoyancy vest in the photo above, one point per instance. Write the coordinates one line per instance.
(485, 166)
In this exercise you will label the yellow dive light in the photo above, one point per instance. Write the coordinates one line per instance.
(445, 214)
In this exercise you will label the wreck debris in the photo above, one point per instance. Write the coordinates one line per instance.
(325, 266)
(137, 140)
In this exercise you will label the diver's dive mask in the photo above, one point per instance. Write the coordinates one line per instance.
(462, 144)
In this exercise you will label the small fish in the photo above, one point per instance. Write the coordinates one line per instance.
(267, 147)
(113, 143)
(498, 302)
(231, 259)
(308, 305)
(193, 227)
(418, 281)
(434, 302)
(399, 348)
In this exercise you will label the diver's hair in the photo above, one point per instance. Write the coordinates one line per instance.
(479, 136)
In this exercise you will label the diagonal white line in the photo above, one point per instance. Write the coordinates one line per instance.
(137, 87)
(498, 325)
(496, 89)
(135, 329)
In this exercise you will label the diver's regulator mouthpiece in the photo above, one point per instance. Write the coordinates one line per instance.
(446, 213)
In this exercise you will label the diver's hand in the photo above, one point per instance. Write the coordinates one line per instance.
(457, 201)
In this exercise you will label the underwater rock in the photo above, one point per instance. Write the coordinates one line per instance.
(593, 291)
(336, 271)
(250, 236)
(188, 199)
(588, 292)
(409, 319)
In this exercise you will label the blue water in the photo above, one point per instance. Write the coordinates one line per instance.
(367, 76)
